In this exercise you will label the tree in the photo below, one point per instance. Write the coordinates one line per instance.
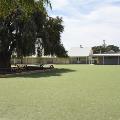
(107, 49)
(21, 23)
(52, 37)
(17, 30)
(27, 6)
(113, 48)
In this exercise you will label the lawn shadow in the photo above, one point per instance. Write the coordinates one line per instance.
(54, 72)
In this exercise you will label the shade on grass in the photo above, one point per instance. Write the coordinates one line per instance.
(71, 92)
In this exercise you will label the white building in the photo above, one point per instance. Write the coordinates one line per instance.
(80, 55)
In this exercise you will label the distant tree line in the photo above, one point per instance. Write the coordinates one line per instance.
(105, 49)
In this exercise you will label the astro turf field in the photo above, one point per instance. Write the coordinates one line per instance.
(70, 92)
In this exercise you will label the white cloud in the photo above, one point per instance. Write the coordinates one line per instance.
(105, 14)
(58, 4)
(102, 22)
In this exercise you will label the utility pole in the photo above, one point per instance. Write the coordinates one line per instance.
(81, 46)
(104, 43)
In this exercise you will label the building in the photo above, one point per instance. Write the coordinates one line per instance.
(106, 59)
(80, 55)
(77, 55)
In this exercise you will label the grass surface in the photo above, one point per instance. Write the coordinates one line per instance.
(71, 92)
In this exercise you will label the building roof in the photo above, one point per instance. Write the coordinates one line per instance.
(97, 55)
(79, 52)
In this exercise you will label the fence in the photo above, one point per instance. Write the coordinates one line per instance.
(39, 60)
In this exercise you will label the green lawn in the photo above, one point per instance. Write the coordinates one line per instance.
(71, 92)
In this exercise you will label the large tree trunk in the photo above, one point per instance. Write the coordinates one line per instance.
(5, 60)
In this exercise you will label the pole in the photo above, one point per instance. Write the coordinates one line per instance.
(118, 60)
(14, 61)
(86, 60)
(103, 60)
(91, 59)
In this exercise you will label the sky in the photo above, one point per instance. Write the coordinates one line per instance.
(88, 22)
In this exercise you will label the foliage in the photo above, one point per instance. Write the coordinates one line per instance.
(27, 6)
(107, 49)
(22, 22)
(52, 37)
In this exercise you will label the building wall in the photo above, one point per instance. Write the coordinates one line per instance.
(113, 60)
(73, 60)
(79, 60)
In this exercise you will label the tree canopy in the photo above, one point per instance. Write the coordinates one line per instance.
(22, 22)
(27, 6)
(105, 49)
